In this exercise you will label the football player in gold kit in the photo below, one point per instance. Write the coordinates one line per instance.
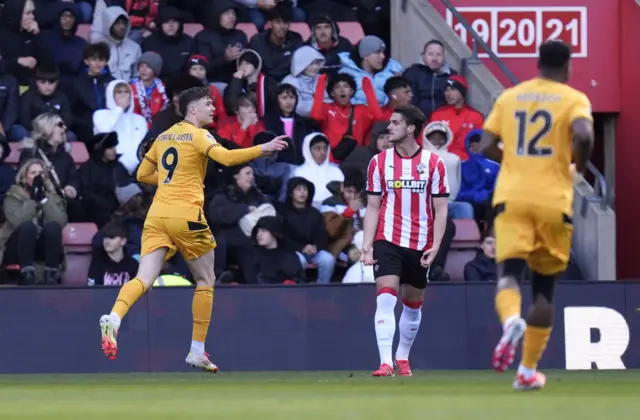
(542, 123)
(177, 163)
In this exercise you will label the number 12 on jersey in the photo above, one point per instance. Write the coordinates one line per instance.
(529, 146)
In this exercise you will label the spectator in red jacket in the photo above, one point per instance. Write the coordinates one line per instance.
(344, 124)
(460, 117)
(149, 94)
(246, 124)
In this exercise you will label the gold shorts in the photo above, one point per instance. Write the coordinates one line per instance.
(192, 239)
(537, 234)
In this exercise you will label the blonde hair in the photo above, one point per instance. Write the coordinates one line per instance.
(43, 126)
(21, 176)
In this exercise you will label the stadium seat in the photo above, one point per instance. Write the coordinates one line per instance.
(14, 156)
(352, 31)
(79, 153)
(77, 238)
(463, 248)
(84, 30)
(248, 28)
(299, 27)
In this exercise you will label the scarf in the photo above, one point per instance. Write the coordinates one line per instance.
(144, 101)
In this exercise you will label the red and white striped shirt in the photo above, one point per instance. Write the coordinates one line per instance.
(407, 185)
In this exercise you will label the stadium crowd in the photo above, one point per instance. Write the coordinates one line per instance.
(79, 110)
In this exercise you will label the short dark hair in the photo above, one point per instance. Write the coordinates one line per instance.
(433, 42)
(191, 95)
(396, 82)
(180, 83)
(115, 229)
(353, 178)
(412, 116)
(285, 87)
(554, 55)
(48, 72)
(99, 50)
(341, 77)
(283, 11)
(244, 100)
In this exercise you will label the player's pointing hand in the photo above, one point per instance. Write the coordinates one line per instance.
(276, 145)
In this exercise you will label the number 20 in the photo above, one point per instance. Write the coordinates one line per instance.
(529, 147)
(169, 166)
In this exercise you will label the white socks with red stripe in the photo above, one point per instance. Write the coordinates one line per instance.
(409, 325)
(385, 323)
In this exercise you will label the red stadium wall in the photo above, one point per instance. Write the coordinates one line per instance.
(598, 31)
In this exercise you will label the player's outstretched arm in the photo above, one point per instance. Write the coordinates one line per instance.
(228, 157)
(147, 172)
(582, 129)
(370, 226)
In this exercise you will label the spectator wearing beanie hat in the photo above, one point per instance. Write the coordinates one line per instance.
(370, 60)
(197, 67)
(460, 117)
(149, 94)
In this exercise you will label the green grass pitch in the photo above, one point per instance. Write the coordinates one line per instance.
(460, 395)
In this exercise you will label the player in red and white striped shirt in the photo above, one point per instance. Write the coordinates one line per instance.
(403, 227)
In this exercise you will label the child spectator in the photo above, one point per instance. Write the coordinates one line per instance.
(140, 14)
(479, 176)
(361, 156)
(483, 266)
(369, 60)
(197, 67)
(437, 139)
(100, 176)
(316, 167)
(44, 96)
(277, 44)
(305, 72)
(398, 90)
(119, 117)
(345, 125)
(90, 89)
(343, 213)
(459, 116)
(326, 39)
(305, 229)
(67, 47)
(246, 126)
(282, 120)
(9, 102)
(21, 42)
(429, 78)
(220, 42)
(249, 79)
(111, 265)
(275, 263)
(149, 95)
(114, 30)
(170, 41)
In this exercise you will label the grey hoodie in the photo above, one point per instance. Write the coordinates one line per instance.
(305, 85)
(125, 53)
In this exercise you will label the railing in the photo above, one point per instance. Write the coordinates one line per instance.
(600, 187)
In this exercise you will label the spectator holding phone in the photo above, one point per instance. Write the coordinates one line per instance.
(34, 217)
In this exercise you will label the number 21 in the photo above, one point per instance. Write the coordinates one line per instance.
(529, 147)
(169, 166)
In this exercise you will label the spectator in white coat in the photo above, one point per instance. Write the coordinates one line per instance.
(316, 167)
(305, 72)
(112, 25)
(119, 117)
(437, 136)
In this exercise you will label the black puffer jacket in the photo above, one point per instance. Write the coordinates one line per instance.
(428, 87)
(276, 59)
(174, 50)
(213, 41)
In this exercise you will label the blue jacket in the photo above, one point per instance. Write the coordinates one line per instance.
(479, 175)
(350, 65)
(67, 51)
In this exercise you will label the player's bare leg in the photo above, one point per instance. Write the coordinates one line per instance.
(408, 325)
(385, 322)
(202, 270)
(148, 270)
(539, 321)
(509, 306)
